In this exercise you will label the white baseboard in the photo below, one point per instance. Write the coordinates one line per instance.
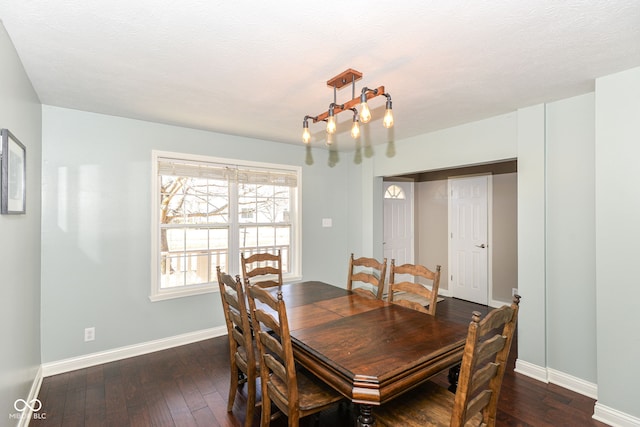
(497, 304)
(602, 413)
(534, 371)
(573, 383)
(548, 375)
(87, 360)
(614, 417)
(492, 303)
(444, 292)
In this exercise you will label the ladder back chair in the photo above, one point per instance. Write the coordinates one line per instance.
(263, 269)
(294, 393)
(370, 272)
(476, 399)
(401, 292)
(245, 363)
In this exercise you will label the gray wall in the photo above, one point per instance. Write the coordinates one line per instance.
(96, 234)
(570, 236)
(19, 240)
(532, 320)
(431, 219)
(504, 261)
(617, 211)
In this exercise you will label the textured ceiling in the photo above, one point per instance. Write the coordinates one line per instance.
(256, 68)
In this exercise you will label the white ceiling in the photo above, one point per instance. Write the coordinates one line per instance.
(256, 68)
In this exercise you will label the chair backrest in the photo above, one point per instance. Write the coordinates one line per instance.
(237, 318)
(483, 364)
(278, 369)
(369, 271)
(409, 288)
(266, 267)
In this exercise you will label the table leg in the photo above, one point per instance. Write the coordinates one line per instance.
(454, 373)
(365, 419)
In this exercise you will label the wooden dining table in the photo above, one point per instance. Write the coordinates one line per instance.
(369, 350)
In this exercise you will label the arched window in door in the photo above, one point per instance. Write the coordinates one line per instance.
(394, 192)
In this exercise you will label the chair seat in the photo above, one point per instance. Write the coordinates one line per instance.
(365, 292)
(242, 354)
(312, 393)
(412, 305)
(428, 405)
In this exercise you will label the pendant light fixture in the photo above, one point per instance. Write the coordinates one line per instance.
(349, 76)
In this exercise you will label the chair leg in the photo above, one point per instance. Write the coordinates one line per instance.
(233, 387)
(294, 419)
(265, 418)
(251, 402)
(454, 373)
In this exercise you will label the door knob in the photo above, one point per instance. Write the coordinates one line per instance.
(481, 246)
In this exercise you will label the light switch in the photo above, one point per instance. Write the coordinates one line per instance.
(327, 222)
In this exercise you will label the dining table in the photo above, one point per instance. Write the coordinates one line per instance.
(369, 350)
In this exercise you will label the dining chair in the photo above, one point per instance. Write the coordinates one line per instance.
(245, 361)
(476, 399)
(295, 393)
(370, 272)
(405, 292)
(263, 269)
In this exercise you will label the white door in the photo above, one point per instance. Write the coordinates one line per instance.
(468, 248)
(398, 222)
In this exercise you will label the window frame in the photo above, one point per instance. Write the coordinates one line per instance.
(233, 261)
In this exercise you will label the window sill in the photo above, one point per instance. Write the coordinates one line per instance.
(180, 293)
(208, 289)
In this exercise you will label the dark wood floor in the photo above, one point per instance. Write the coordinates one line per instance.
(188, 386)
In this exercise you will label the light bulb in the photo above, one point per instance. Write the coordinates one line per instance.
(388, 118)
(331, 124)
(365, 113)
(387, 121)
(306, 136)
(355, 129)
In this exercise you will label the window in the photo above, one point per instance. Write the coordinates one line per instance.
(207, 211)
(394, 192)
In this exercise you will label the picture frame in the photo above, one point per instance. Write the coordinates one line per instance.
(13, 176)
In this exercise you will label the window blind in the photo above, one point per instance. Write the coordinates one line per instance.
(233, 173)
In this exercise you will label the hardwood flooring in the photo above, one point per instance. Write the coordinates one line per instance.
(188, 386)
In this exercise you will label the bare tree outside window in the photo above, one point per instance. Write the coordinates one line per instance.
(191, 240)
(206, 219)
(268, 228)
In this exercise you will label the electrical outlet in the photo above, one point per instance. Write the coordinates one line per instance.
(89, 334)
(514, 292)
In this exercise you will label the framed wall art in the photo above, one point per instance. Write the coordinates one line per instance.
(13, 162)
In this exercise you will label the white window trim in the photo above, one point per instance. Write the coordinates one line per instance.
(234, 264)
